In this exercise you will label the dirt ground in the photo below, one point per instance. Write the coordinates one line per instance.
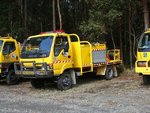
(124, 94)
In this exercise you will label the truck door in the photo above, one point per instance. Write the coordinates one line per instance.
(62, 54)
(10, 53)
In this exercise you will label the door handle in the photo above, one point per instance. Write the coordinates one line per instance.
(16, 57)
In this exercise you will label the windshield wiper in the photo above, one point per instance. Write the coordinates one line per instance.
(41, 53)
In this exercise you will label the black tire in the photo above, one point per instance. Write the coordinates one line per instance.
(12, 78)
(109, 73)
(64, 82)
(37, 83)
(115, 71)
(146, 79)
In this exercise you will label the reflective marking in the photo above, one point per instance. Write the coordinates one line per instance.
(64, 61)
(98, 49)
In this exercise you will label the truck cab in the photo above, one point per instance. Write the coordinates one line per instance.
(9, 54)
(50, 50)
(142, 64)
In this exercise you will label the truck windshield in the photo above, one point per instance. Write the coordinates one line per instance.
(144, 43)
(1, 42)
(38, 47)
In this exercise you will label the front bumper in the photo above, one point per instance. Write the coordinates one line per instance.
(33, 72)
(142, 70)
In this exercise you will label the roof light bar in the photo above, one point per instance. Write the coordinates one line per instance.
(55, 31)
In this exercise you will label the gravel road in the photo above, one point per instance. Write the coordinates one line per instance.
(124, 94)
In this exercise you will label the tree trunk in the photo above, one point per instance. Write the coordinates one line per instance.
(25, 17)
(146, 14)
(41, 26)
(59, 13)
(121, 45)
(21, 7)
(130, 38)
(112, 37)
(54, 19)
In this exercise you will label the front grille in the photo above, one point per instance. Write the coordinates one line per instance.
(29, 76)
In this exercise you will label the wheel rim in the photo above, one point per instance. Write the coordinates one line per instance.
(66, 81)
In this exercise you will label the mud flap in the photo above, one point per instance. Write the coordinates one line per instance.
(73, 77)
(101, 70)
(115, 74)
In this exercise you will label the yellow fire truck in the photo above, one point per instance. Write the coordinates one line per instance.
(9, 54)
(63, 57)
(142, 64)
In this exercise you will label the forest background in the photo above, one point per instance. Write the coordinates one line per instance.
(119, 22)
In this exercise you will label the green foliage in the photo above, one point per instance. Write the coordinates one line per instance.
(103, 14)
(91, 18)
(92, 29)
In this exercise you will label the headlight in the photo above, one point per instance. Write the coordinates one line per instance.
(48, 67)
(148, 63)
(141, 63)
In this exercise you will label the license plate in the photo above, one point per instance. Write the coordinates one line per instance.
(18, 72)
(28, 73)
